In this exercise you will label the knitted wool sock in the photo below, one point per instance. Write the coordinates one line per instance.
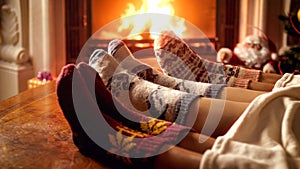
(123, 55)
(74, 83)
(173, 55)
(141, 95)
(104, 64)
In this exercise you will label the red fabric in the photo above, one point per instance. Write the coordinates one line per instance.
(76, 83)
(235, 60)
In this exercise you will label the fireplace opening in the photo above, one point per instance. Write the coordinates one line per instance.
(140, 26)
(200, 13)
(209, 16)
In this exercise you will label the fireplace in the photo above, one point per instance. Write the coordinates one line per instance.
(218, 19)
(176, 14)
(200, 13)
(204, 15)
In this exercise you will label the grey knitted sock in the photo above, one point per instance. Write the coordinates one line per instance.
(142, 95)
(123, 55)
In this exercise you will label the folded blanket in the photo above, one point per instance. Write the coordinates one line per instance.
(267, 134)
(286, 80)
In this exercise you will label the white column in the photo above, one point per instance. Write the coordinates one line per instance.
(47, 35)
(39, 34)
(253, 15)
(45, 38)
(13, 76)
(243, 19)
(260, 17)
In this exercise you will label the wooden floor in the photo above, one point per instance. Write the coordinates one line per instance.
(34, 133)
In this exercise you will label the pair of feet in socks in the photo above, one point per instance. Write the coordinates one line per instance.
(179, 61)
(82, 93)
(95, 98)
(144, 83)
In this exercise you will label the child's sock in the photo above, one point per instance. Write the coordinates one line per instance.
(123, 55)
(144, 96)
(173, 54)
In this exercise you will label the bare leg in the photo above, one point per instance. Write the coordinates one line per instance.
(192, 142)
(239, 94)
(178, 158)
(229, 113)
(269, 77)
(260, 86)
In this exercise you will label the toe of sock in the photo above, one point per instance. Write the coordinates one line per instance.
(114, 45)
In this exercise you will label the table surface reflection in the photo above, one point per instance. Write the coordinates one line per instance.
(35, 134)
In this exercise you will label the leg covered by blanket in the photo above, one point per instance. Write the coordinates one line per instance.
(266, 136)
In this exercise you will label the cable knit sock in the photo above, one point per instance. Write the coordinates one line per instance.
(141, 95)
(123, 55)
(74, 84)
(176, 58)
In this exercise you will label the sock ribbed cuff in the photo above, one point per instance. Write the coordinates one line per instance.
(238, 82)
(251, 74)
(183, 107)
(214, 90)
(168, 104)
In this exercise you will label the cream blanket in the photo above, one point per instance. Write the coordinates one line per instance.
(267, 134)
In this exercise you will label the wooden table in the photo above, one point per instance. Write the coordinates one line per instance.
(34, 133)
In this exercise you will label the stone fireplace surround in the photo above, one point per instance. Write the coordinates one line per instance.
(41, 34)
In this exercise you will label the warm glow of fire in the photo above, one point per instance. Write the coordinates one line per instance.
(140, 24)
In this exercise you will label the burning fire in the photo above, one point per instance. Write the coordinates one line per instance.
(151, 6)
(141, 24)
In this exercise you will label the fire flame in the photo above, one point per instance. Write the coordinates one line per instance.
(139, 24)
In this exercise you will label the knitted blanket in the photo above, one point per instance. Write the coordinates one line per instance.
(266, 136)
